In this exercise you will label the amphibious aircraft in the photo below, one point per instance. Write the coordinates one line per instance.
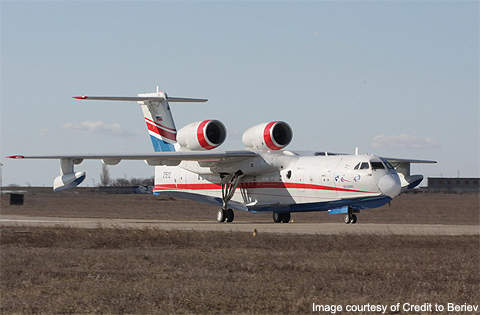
(264, 177)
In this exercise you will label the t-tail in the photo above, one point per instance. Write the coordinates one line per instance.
(157, 115)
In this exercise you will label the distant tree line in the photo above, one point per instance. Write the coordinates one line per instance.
(106, 180)
(132, 182)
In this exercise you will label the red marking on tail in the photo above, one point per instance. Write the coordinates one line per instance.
(161, 132)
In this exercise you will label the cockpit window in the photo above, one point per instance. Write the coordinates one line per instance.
(364, 166)
(377, 165)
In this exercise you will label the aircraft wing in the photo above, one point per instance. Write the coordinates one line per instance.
(155, 158)
(397, 160)
(69, 178)
(402, 166)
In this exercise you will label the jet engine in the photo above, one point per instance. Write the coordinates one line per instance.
(274, 135)
(202, 135)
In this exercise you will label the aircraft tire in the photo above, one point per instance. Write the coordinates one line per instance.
(277, 217)
(229, 215)
(347, 219)
(286, 217)
(221, 216)
(353, 220)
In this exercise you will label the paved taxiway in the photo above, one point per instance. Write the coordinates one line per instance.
(244, 226)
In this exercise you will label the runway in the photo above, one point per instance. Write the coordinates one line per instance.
(243, 226)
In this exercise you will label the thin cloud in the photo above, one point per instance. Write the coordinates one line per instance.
(403, 141)
(98, 127)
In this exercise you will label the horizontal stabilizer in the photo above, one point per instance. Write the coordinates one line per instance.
(141, 98)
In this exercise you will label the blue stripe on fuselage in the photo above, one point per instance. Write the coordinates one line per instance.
(356, 203)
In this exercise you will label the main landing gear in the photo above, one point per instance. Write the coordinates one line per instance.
(350, 217)
(225, 215)
(229, 185)
(281, 217)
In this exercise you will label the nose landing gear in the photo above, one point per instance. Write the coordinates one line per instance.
(350, 219)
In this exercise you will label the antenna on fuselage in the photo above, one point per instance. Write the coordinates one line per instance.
(356, 150)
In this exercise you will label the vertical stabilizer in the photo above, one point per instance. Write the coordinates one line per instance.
(159, 120)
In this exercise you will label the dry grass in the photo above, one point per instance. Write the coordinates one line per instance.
(57, 270)
(429, 208)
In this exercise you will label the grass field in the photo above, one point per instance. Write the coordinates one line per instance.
(422, 208)
(58, 270)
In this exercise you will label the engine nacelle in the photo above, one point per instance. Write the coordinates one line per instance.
(274, 135)
(202, 135)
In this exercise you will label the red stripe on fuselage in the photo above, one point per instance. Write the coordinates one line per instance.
(254, 185)
(161, 132)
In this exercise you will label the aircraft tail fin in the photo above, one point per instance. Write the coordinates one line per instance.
(157, 115)
(159, 121)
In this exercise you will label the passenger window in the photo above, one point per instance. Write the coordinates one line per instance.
(357, 166)
(377, 165)
(364, 166)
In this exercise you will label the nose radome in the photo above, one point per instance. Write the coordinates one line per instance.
(389, 185)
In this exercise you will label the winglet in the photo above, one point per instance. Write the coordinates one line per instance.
(15, 156)
(80, 97)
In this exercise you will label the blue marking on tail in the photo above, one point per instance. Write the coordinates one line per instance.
(161, 146)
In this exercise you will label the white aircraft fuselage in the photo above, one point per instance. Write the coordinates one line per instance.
(286, 182)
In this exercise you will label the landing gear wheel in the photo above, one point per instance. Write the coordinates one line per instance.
(229, 185)
(221, 216)
(277, 217)
(286, 217)
(353, 219)
(230, 215)
(346, 219)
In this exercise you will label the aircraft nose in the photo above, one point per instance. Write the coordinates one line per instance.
(389, 185)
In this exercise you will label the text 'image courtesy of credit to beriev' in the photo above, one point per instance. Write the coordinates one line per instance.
(395, 307)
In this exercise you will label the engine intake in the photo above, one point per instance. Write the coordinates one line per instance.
(202, 135)
(274, 135)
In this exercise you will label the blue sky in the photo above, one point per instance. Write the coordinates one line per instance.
(394, 78)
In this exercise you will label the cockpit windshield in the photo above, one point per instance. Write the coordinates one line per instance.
(377, 165)
(362, 166)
